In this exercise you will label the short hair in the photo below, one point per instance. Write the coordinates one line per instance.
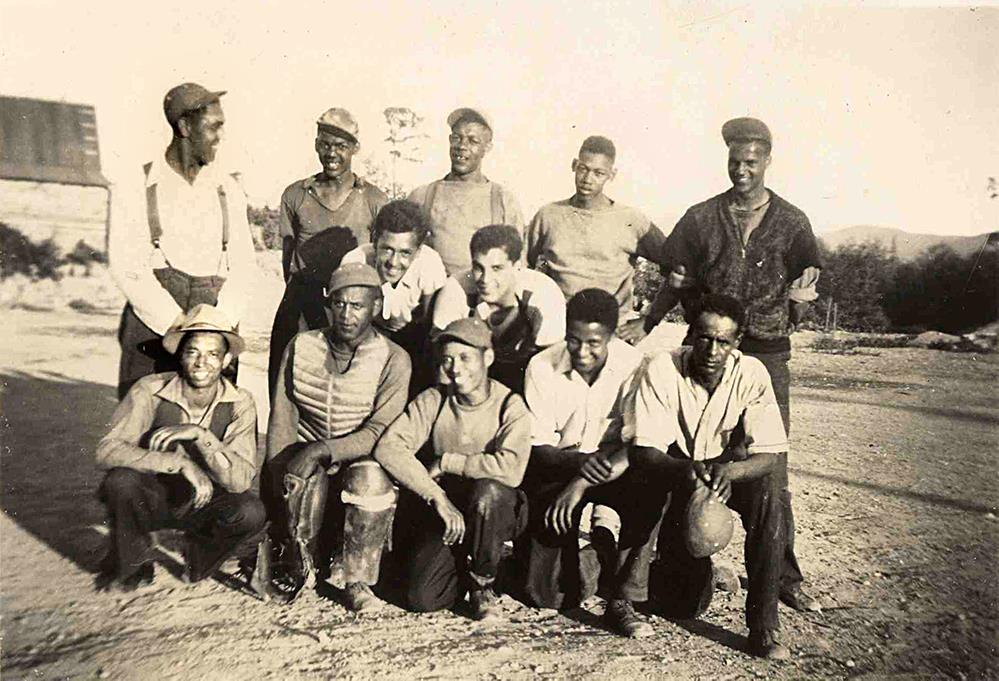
(723, 306)
(401, 217)
(593, 305)
(596, 144)
(188, 335)
(505, 237)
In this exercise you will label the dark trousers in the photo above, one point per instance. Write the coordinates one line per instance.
(139, 503)
(436, 576)
(554, 575)
(682, 585)
(302, 308)
(142, 353)
(780, 376)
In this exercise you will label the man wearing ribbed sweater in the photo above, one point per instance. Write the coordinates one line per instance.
(462, 449)
(339, 389)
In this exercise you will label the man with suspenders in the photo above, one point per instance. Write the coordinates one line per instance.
(191, 246)
(465, 199)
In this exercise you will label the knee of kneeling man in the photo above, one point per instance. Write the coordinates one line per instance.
(486, 495)
(248, 513)
(367, 485)
(121, 482)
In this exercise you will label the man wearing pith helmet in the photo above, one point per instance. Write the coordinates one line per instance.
(183, 239)
(465, 199)
(752, 244)
(339, 388)
(323, 217)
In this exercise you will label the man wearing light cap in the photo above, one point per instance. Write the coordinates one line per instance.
(462, 449)
(182, 454)
(750, 243)
(339, 388)
(322, 218)
(465, 199)
(185, 241)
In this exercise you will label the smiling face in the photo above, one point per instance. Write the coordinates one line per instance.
(353, 308)
(203, 130)
(494, 275)
(203, 356)
(587, 343)
(592, 172)
(335, 153)
(469, 141)
(394, 253)
(465, 366)
(714, 338)
(747, 166)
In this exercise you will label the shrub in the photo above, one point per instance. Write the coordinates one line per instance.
(20, 255)
(267, 220)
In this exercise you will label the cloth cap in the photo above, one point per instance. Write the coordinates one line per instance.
(203, 317)
(468, 330)
(339, 121)
(187, 97)
(353, 274)
(468, 114)
(746, 130)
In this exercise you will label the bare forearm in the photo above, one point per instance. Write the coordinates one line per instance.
(665, 300)
(756, 466)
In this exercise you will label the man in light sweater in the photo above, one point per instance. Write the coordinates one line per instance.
(462, 449)
(185, 242)
(465, 199)
(338, 389)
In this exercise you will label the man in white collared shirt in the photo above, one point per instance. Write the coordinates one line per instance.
(706, 415)
(411, 273)
(524, 309)
(186, 242)
(576, 391)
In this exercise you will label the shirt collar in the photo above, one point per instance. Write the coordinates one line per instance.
(313, 180)
(615, 360)
(160, 170)
(173, 391)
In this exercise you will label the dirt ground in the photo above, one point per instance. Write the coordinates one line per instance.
(893, 468)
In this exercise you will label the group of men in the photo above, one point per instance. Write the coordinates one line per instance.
(445, 380)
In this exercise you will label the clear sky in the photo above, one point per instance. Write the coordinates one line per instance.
(883, 116)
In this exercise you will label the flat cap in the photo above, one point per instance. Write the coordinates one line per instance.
(353, 274)
(340, 122)
(467, 113)
(746, 130)
(186, 98)
(468, 330)
(207, 318)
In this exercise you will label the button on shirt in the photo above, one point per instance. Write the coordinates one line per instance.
(566, 411)
(191, 218)
(423, 278)
(671, 408)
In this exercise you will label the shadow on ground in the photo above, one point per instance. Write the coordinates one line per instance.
(51, 426)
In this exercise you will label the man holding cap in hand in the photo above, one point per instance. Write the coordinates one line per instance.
(465, 199)
(463, 449)
(339, 388)
(323, 217)
(182, 454)
(188, 240)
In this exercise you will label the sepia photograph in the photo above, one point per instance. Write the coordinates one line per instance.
(445, 340)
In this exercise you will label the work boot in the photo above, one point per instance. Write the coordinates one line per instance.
(485, 603)
(107, 581)
(361, 599)
(621, 618)
(725, 579)
(794, 597)
(764, 644)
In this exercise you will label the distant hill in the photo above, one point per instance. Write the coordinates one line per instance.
(907, 244)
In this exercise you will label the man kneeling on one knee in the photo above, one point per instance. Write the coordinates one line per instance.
(338, 389)
(576, 391)
(461, 448)
(691, 406)
(182, 454)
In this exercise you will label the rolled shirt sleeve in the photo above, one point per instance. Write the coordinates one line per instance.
(802, 289)
(451, 304)
(761, 416)
(132, 419)
(654, 420)
(544, 420)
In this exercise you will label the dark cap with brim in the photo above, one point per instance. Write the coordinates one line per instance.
(186, 98)
(469, 331)
(746, 130)
(353, 274)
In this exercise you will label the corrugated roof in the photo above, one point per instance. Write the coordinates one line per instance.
(49, 142)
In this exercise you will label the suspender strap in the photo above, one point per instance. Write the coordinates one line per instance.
(224, 205)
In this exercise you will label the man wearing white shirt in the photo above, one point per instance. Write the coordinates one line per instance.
(576, 391)
(411, 273)
(689, 408)
(189, 244)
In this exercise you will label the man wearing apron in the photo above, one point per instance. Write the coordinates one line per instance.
(191, 244)
(323, 217)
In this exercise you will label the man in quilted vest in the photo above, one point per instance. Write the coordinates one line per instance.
(182, 454)
(338, 389)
